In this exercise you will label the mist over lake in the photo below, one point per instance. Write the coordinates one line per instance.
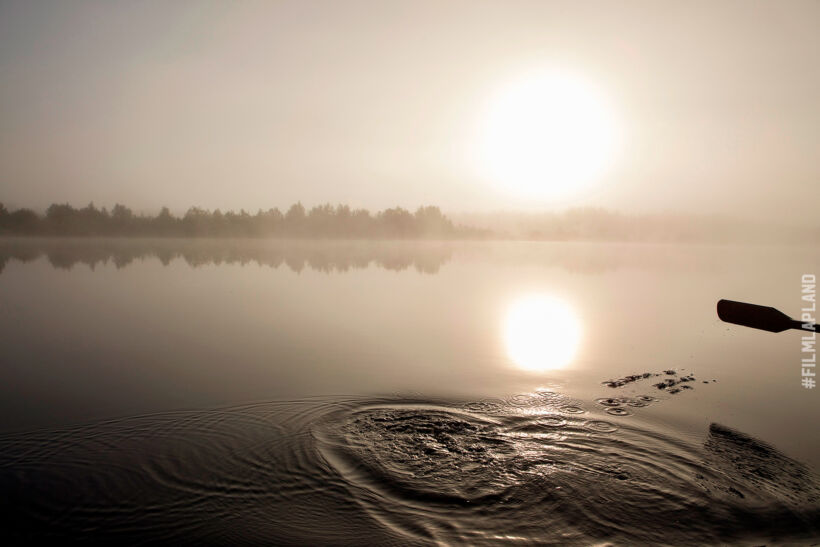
(409, 273)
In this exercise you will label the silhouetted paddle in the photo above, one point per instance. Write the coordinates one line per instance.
(759, 317)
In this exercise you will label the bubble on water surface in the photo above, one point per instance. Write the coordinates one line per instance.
(618, 411)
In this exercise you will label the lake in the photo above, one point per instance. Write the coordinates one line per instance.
(402, 392)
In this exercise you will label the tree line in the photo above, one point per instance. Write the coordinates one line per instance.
(321, 221)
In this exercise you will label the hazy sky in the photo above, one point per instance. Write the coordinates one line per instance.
(259, 104)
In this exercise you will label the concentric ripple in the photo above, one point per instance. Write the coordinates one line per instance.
(618, 411)
(243, 475)
(441, 474)
(552, 421)
(397, 471)
(525, 400)
(488, 406)
(571, 409)
(601, 426)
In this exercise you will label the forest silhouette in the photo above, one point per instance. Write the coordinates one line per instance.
(325, 221)
(342, 222)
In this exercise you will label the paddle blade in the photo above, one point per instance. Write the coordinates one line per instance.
(754, 316)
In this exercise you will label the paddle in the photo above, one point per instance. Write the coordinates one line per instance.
(759, 317)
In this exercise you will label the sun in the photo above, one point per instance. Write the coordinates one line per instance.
(547, 134)
(541, 333)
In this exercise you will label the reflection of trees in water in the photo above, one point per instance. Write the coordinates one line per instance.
(424, 257)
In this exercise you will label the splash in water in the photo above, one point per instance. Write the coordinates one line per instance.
(535, 468)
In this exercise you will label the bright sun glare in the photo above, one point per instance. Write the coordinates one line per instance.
(541, 333)
(546, 135)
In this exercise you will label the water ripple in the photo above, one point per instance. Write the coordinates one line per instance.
(401, 471)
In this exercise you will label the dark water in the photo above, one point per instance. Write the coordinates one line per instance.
(532, 468)
(390, 402)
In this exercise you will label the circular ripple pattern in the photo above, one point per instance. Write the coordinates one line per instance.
(571, 409)
(488, 406)
(601, 426)
(618, 411)
(243, 475)
(609, 402)
(448, 476)
(552, 421)
(400, 472)
(526, 400)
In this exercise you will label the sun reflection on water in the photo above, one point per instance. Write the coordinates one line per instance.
(541, 333)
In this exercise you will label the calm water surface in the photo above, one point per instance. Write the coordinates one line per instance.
(401, 392)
